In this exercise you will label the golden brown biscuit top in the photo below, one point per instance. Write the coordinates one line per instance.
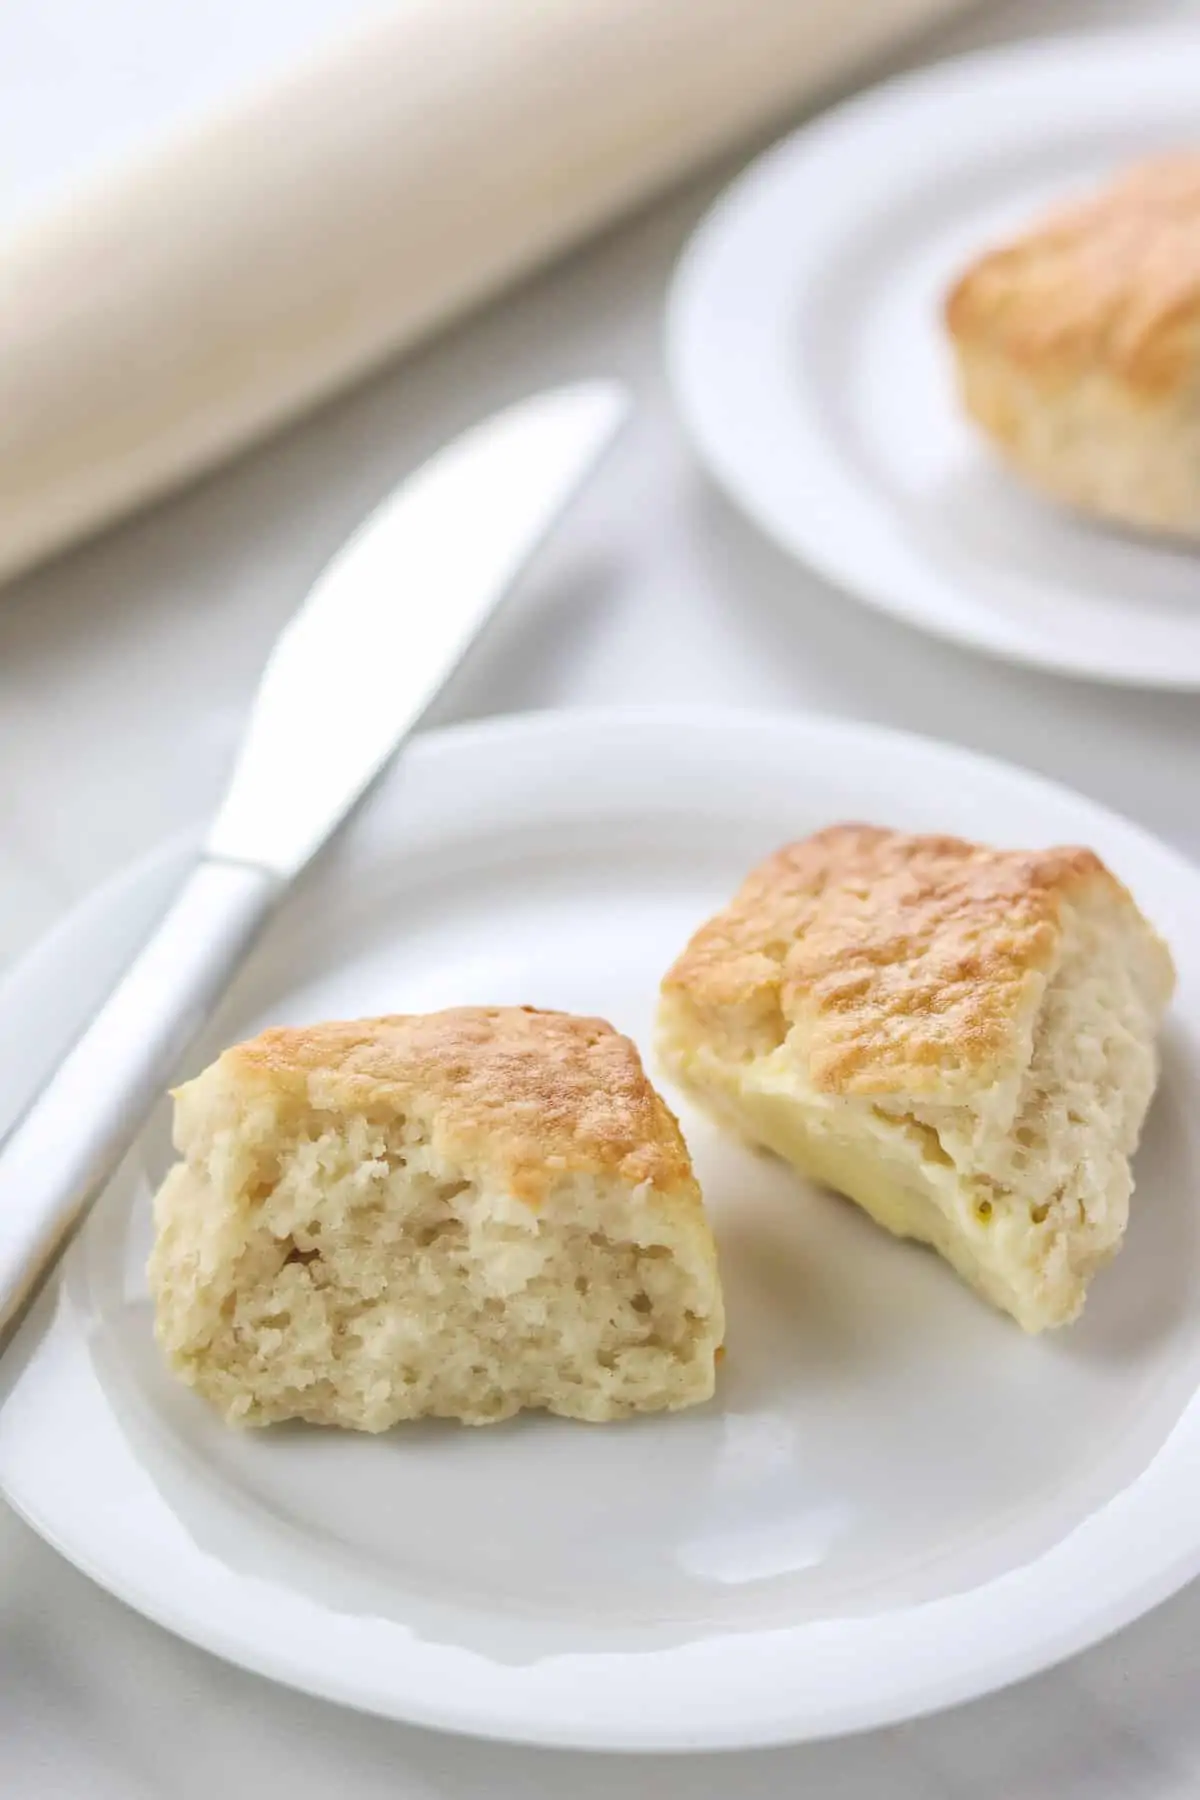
(1112, 284)
(902, 963)
(538, 1094)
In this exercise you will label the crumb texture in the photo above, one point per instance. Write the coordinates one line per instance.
(455, 1215)
(960, 1039)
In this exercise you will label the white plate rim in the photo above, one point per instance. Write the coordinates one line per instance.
(1098, 1619)
(812, 155)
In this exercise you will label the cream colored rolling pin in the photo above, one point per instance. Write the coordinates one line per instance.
(174, 312)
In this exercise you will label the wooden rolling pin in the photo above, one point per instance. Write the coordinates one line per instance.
(188, 304)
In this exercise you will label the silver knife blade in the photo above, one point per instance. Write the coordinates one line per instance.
(392, 615)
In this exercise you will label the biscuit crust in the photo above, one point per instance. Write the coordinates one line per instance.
(908, 964)
(539, 1094)
(1111, 284)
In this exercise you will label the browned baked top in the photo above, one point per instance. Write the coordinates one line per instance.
(534, 1094)
(1112, 284)
(903, 963)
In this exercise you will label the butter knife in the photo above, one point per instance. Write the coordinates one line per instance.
(351, 675)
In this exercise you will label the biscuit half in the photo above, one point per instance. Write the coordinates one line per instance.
(1078, 349)
(960, 1039)
(459, 1214)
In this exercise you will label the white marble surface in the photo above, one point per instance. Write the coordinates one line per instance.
(124, 670)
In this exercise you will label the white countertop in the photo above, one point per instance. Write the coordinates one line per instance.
(124, 672)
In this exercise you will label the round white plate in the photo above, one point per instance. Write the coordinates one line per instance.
(809, 363)
(896, 1501)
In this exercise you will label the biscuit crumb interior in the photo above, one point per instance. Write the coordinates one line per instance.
(339, 1269)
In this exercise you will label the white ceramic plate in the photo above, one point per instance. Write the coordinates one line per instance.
(897, 1500)
(808, 360)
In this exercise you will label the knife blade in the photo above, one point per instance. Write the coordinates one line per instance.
(392, 614)
(383, 627)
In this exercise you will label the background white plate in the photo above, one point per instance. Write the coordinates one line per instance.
(809, 363)
(897, 1501)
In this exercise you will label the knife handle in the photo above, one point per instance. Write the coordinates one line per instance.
(59, 1155)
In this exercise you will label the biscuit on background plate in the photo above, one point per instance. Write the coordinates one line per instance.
(1078, 349)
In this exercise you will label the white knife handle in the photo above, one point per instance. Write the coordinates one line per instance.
(58, 1156)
